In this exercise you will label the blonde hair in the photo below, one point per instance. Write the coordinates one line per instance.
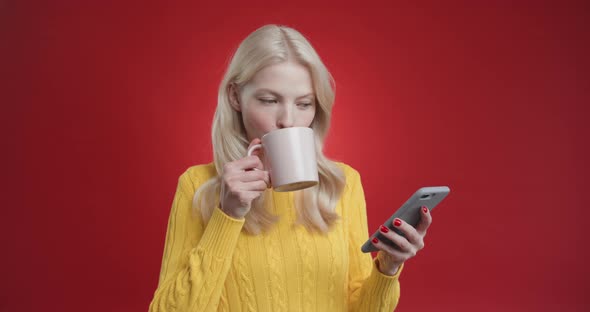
(272, 44)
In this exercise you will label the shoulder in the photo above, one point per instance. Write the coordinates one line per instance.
(201, 172)
(352, 178)
(196, 175)
(352, 196)
(348, 171)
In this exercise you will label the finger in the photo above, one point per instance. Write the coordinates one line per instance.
(249, 176)
(242, 164)
(425, 221)
(409, 231)
(245, 198)
(252, 195)
(401, 242)
(254, 186)
(396, 254)
(258, 153)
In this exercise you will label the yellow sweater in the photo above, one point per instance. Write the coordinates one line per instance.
(218, 267)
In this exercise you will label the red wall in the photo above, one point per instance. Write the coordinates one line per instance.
(107, 103)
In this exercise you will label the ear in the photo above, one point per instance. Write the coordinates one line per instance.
(234, 97)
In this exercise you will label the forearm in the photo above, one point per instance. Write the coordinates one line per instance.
(379, 292)
(197, 285)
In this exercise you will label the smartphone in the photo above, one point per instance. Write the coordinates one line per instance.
(409, 212)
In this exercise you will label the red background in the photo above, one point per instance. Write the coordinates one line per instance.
(105, 104)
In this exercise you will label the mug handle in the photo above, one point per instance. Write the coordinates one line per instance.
(253, 148)
(250, 151)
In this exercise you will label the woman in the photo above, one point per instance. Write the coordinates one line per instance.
(235, 245)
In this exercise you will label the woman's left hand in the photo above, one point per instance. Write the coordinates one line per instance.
(389, 258)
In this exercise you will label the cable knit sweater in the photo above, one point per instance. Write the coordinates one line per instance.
(215, 266)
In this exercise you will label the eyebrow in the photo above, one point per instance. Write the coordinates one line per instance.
(280, 96)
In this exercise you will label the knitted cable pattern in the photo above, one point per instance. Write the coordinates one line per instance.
(335, 282)
(203, 294)
(277, 292)
(223, 305)
(246, 286)
(305, 243)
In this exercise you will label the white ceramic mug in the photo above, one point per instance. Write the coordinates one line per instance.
(290, 158)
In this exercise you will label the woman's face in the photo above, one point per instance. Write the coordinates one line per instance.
(278, 96)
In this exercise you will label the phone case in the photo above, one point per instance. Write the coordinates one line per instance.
(409, 212)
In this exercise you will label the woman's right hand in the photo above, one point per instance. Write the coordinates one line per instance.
(241, 184)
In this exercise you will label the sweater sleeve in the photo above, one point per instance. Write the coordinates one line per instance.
(369, 289)
(196, 257)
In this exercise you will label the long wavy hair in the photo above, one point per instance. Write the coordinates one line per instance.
(268, 45)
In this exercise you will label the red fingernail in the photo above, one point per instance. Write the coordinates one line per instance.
(375, 240)
(384, 229)
(425, 209)
(397, 222)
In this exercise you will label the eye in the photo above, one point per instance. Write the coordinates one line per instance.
(268, 101)
(305, 105)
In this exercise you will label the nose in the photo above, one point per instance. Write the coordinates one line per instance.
(286, 118)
